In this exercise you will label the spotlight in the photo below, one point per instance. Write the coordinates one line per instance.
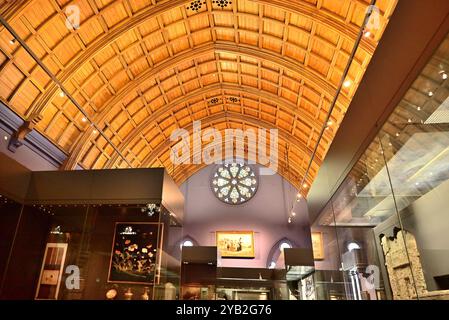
(62, 94)
(12, 41)
(367, 34)
(430, 94)
(5, 137)
(289, 220)
(84, 119)
(305, 186)
(293, 214)
(347, 83)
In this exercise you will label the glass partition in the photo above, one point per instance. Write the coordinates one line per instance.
(390, 215)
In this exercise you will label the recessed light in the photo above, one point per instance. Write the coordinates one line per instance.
(444, 75)
(305, 185)
(293, 214)
(5, 137)
(329, 123)
(95, 131)
(409, 120)
(84, 119)
(289, 220)
(62, 94)
(12, 41)
(397, 134)
(367, 34)
(347, 83)
(419, 108)
(430, 94)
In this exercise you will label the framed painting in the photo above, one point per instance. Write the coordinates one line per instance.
(235, 244)
(317, 246)
(136, 253)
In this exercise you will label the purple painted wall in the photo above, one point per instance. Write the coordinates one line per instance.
(266, 214)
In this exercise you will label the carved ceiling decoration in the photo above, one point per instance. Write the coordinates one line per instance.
(141, 68)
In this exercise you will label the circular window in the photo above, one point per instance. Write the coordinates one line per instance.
(234, 183)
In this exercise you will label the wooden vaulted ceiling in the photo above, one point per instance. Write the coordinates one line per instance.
(141, 68)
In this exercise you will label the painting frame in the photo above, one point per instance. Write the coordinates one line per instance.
(317, 246)
(56, 274)
(158, 256)
(221, 236)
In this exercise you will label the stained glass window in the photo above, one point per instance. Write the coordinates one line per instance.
(234, 183)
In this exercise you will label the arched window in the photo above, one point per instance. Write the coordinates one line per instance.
(187, 241)
(276, 251)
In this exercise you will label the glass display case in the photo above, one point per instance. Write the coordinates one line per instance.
(385, 226)
(110, 248)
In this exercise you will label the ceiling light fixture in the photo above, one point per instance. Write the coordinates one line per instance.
(347, 83)
(367, 34)
(62, 94)
(305, 186)
(430, 94)
(84, 119)
(293, 214)
(12, 41)
(289, 220)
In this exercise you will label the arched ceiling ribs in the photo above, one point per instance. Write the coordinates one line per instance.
(223, 117)
(243, 50)
(344, 29)
(165, 111)
(290, 64)
(184, 171)
(77, 151)
(217, 118)
(181, 173)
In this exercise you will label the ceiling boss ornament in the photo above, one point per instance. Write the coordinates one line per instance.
(196, 5)
(222, 3)
(234, 183)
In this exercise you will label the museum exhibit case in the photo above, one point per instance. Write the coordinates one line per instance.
(92, 235)
(385, 227)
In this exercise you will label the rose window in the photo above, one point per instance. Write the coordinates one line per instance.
(234, 183)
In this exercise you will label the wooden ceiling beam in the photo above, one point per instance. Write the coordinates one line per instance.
(225, 117)
(75, 153)
(345, 30)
